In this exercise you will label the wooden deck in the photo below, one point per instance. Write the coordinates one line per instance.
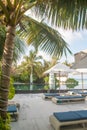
(34, 111)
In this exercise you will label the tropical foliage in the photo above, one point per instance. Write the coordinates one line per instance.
(64, 13)
(11, 89)
(19, 48)
(12, 15)
(33, 65)
(6, 125)
(71, 83)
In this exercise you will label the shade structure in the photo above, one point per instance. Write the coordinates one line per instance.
(31, 81)
(81, 68)
(59, 69)
(51, 80)
(81, 71)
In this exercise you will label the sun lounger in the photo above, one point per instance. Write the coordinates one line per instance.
(83, 93)
(14, 103)
(71, 93)
(49, 95)
(68, 99)
(71, 120)
(13, 111)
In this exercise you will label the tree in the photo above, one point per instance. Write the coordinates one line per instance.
(12, 14)
(64, 13)
(2, 40)
(19, 47)
(33, 62)
(71, 83)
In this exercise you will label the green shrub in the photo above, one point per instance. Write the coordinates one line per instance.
(46, 79)
(11, 89)
(57, 83)
(71, 83)
(5, 125)
(46, 87)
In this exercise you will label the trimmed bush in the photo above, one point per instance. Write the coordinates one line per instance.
(71, 83)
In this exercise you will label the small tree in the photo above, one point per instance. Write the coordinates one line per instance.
(71, 83)
(57, 83)
(46, 79)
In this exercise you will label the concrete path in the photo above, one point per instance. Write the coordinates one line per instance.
(34, 112)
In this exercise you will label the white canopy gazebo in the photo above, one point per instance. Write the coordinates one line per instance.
(59, 69)
(81, 67)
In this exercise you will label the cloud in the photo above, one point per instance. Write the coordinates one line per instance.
(77, 41)
(47, 57)
(70, 37)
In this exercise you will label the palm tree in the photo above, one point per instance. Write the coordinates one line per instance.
(12, 14)
(33, 62)
(64, 13)
(19, 47)
(2, 39)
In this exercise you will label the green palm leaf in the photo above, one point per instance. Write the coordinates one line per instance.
(44, 37)
(64, 13)
(19, 48)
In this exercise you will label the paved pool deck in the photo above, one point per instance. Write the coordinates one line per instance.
(34, 111)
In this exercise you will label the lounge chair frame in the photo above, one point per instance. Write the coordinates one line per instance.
(14, 103)
(14, 114)
(48, 97)
(57, 124)
(83, 93)
(70, 100)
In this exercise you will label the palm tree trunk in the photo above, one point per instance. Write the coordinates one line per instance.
(31, 79)
(6, 69)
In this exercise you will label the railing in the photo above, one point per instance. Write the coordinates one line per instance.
(37, 88)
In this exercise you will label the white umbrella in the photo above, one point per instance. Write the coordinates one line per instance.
(82, 71)
(60, 69)
(81, 68)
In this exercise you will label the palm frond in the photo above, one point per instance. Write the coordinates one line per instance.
(45, 37)
(64, 13)
(19, 49)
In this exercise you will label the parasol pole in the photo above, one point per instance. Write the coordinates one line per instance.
(59, 81)
(82, 81)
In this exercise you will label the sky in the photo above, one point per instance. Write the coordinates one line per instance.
(77, 41)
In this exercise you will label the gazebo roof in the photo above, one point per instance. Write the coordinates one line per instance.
(59, 67)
